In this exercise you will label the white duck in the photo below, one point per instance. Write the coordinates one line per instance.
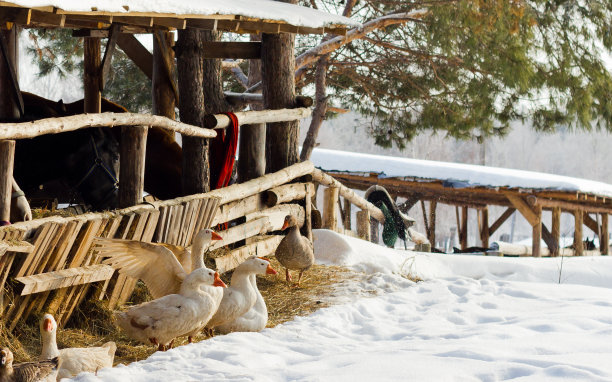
(256, 318)
(161, 320)
(162, 267)
(73, 360)
(242, 294)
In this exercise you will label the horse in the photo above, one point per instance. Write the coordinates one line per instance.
(93, 153)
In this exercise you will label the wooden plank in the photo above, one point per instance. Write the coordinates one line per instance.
(92, 75)
(108, 54)
(232, 49)
(556, 228)
(137, 53)
(64, 278)
(41, 240)
(17, 246)
(170, 22)
(264, 247)
(243, 231)
(6, 261)
(236, 209)
(501, 220)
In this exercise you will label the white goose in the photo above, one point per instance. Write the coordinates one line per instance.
(162, 267)
(242, 294)
(72, 361)
(256, 318)
(162, 320)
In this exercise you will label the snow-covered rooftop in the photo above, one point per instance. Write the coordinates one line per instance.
(454, 174)
(257, 9)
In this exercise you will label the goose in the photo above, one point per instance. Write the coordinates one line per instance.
(256, 318)
(240, 297)
(161, 320)
(42, 371)
(162, 267)
(73, 360)
(294, 252)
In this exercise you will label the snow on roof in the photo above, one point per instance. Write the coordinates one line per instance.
(455, 174)
(258, 9)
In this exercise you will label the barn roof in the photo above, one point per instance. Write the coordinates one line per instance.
(452, 175)
(235, 15)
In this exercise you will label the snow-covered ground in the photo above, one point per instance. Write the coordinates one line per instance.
(473, 318)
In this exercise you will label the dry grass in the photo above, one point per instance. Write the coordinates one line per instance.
(92, 324)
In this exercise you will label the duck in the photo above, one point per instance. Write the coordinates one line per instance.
(242, 293)
(162, 267)
(161, 320)
(73, 360)
(294, 252)
(256, 318)
(41, 371)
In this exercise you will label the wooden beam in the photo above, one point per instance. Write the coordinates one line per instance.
(524, 209)
(221, 121)
(556, 228)
(7, 155)
(330, 210)
(91, 75)
(484, 227)
(590, 223)
(137, 53)
(265, 246)
(232, 49)
(536, 244)
(19, 16)
(498, 223)
(363, 224)
(170, 22)
(8, 71)
(108, 54)
(132, 162)
(164, 72)
(64, 278)
(604, 238)
(286, 193)
(578, 221)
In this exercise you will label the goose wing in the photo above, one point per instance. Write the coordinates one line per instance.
(154, 264)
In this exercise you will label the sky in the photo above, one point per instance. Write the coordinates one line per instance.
(472, 318)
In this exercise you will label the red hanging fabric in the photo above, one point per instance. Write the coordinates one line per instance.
(223, 153)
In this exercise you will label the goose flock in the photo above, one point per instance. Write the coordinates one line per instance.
(188, 298)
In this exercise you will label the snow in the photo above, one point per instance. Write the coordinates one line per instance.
(457, 174)
(259, 9)
(473, 318)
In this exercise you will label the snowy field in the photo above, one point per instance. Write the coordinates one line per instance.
(473, 318)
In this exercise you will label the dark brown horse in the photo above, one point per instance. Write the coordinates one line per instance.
(82, 165)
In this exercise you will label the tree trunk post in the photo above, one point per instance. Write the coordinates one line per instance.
(432, 223)
(604, 241)
(374, 230)
(555, 228)
(278, 80)
(7, 156)
(92, 75)
(363, 224)
(536, 244)
(163, 95)
(307, 227)
(330, 210)
(463, 228)
(346, 219)
(191, 107)
(131, 174)
(252, 147)
(484, 228)
(578, 221)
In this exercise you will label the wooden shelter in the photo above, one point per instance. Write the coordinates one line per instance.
(478, 187)
(47, 264)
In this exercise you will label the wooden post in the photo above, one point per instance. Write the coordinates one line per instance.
(92, 75)
(131, 174)
(162, 84)
(374, 230)
(536, 244)
(330, 210)
(346, 219)
(484, 228)
(463, 228)
(604, 242)
(7, 155)
(278, 87)
(556, 228)
(252, 147)
(432, 223)
(578, 245)
(363, 224)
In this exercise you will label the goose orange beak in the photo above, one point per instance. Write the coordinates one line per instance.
(218, 282)
(47, 325)
(270, 270)
(285, 225)
(215, 236)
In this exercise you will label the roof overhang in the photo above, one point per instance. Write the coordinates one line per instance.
(137, 16)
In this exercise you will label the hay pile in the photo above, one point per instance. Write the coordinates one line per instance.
(92, 325)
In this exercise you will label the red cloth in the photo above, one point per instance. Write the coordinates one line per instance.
(223, 154)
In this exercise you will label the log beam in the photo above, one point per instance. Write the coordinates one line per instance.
(287, 193)
(132, 162)
(7, 155)
(163, 87)
(590, 223)
(330, 210)
(92, 75)
(501, 220)
(137, 53)
(363, 224)
(221, 121)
